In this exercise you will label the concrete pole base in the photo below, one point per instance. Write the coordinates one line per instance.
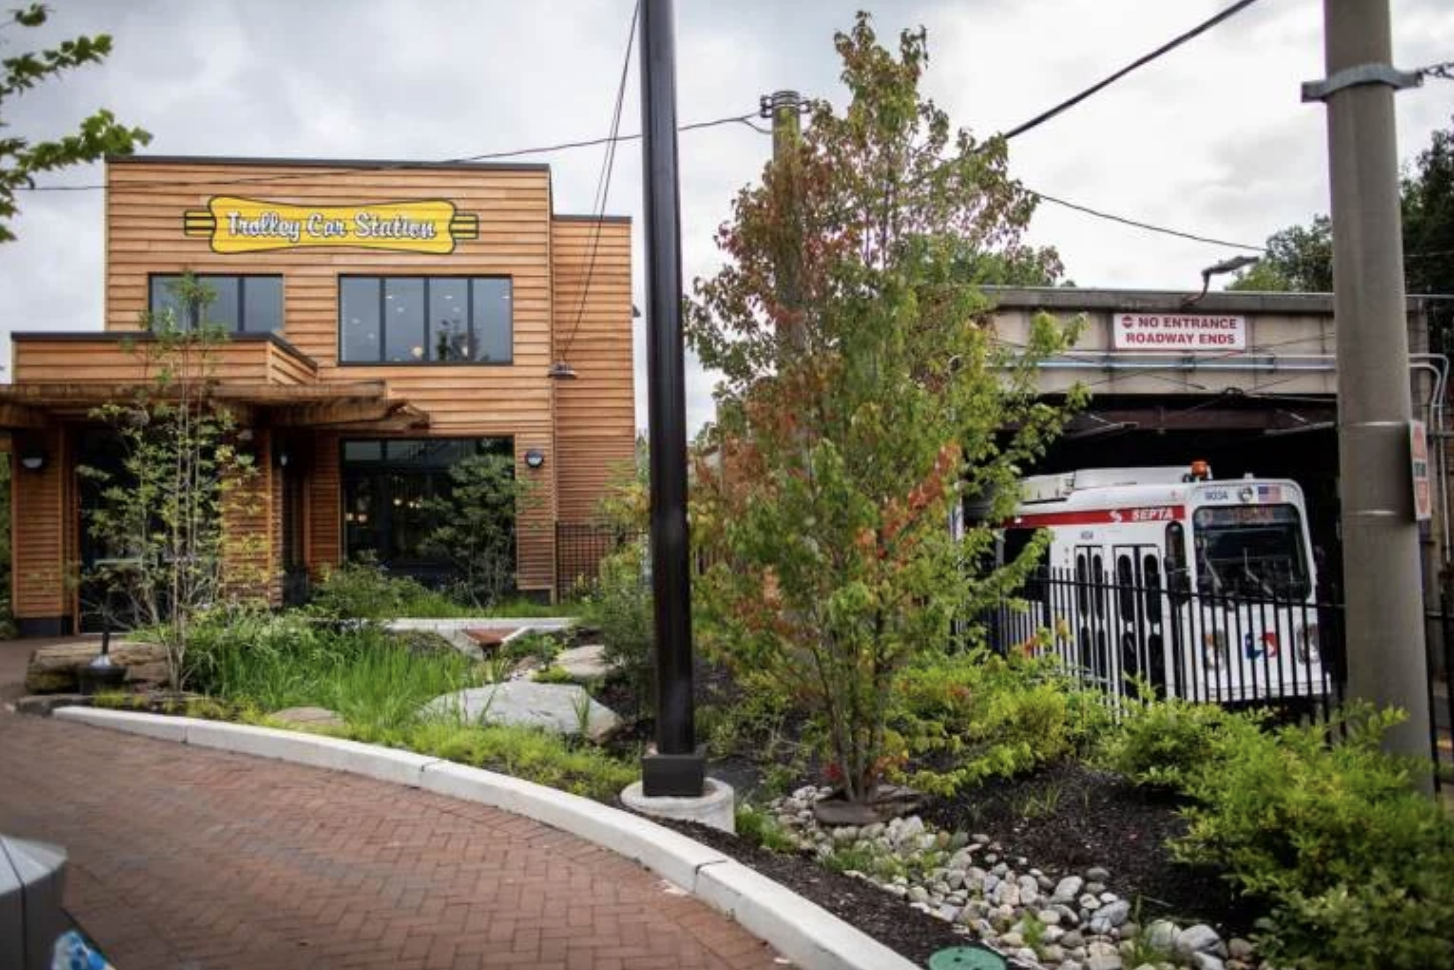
(715, 808)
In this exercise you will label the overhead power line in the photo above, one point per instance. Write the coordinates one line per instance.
(313, 170)
(603, 182)
(1106, 82)
(1444, 71)
(1149, 227)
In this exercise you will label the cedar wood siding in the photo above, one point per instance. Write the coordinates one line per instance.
(106, 361)
(144, 206)
(40, 505)
(325, 506)
(596, 413)
(250, 549)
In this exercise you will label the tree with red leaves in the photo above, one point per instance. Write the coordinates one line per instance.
(864, 393)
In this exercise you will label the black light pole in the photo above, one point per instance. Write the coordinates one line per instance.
(676, 767)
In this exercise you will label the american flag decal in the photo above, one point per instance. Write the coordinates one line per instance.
(1269, 493)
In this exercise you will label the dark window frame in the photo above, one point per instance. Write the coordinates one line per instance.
(189, 325)
(427, 336)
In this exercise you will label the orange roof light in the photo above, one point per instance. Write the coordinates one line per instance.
(1200, 470)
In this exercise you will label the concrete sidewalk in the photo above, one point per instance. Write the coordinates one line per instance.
(190, 858)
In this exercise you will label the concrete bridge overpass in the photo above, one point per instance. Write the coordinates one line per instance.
(1246, 381)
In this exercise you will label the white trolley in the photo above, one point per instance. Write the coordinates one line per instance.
(1203, 588)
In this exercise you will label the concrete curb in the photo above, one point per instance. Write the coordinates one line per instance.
(803, 932)
(539, 624)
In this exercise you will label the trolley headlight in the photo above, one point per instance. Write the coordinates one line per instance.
(1214, 648)
(1307, 643)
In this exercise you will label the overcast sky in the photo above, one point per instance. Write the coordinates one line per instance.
(1211, 139)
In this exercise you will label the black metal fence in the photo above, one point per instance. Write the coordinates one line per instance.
(1137, 635)
(1439, 638)
(579, 549)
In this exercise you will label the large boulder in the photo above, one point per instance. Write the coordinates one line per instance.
(558, 708)
(52, 669)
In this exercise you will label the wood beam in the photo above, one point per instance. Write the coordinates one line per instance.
(22, 417)
(342, 416)
(353, 412)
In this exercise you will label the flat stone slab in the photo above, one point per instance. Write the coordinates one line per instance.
(52, 669)
(309, 717)
(43, 704)
(553, 707)
(584, 663)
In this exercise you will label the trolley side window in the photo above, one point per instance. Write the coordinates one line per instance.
(1125, 586)
(1151, 571)
(1177, 580)
(1082, 584)
(1013, 546)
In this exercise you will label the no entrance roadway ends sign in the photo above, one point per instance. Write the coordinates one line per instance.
(1178, 332)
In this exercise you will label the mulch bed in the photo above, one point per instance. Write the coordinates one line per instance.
(909, 932)
(1062, 819)
(1067, 817)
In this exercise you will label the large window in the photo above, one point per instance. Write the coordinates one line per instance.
(1250, 550)
(237, 304)
(425, 320)
(389, 490)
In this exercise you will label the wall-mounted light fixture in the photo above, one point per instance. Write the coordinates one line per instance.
(32, 459)
(534, 458)
(561, 371)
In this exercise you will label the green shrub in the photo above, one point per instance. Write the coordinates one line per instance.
(851, 858)
(525, 608)
(553, 675)
(522, 752)
(961, 719)
(476, 526)
(1324, 828)
(363, 590)
(621, 607)
(273, 661)
(542, 648)
(1162, 743)
(762, 829)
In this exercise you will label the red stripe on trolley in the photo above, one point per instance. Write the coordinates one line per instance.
(1145, 513)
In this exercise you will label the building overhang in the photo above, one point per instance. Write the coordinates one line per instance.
(260, 377)
(334, 406)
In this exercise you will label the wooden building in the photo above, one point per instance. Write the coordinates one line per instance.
(386, 319)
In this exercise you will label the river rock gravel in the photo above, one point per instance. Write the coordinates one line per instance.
(1034, 916)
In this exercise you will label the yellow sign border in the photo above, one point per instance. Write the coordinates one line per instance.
(289, 225)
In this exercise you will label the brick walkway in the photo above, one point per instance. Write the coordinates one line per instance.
(186, 859)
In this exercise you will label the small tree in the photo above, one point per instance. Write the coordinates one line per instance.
(99, 135)
(863, 392)
(476, 534)
(182, 473)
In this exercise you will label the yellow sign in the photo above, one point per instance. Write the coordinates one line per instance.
(236, 225)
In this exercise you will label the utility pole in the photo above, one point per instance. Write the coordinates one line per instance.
(676, 768)
(1385, 618)
(784, 108)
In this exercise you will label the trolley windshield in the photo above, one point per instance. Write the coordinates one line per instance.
(1251, 550)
